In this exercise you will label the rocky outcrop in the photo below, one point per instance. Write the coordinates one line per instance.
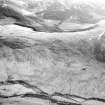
(52, 16)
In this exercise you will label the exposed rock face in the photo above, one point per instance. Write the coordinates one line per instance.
(52, 16)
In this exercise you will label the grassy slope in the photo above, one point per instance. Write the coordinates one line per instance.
(62, 62)
(54, 62)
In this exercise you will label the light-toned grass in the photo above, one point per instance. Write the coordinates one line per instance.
(53, 65)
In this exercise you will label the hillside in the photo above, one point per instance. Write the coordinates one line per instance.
(55, 16)
(52, 52)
